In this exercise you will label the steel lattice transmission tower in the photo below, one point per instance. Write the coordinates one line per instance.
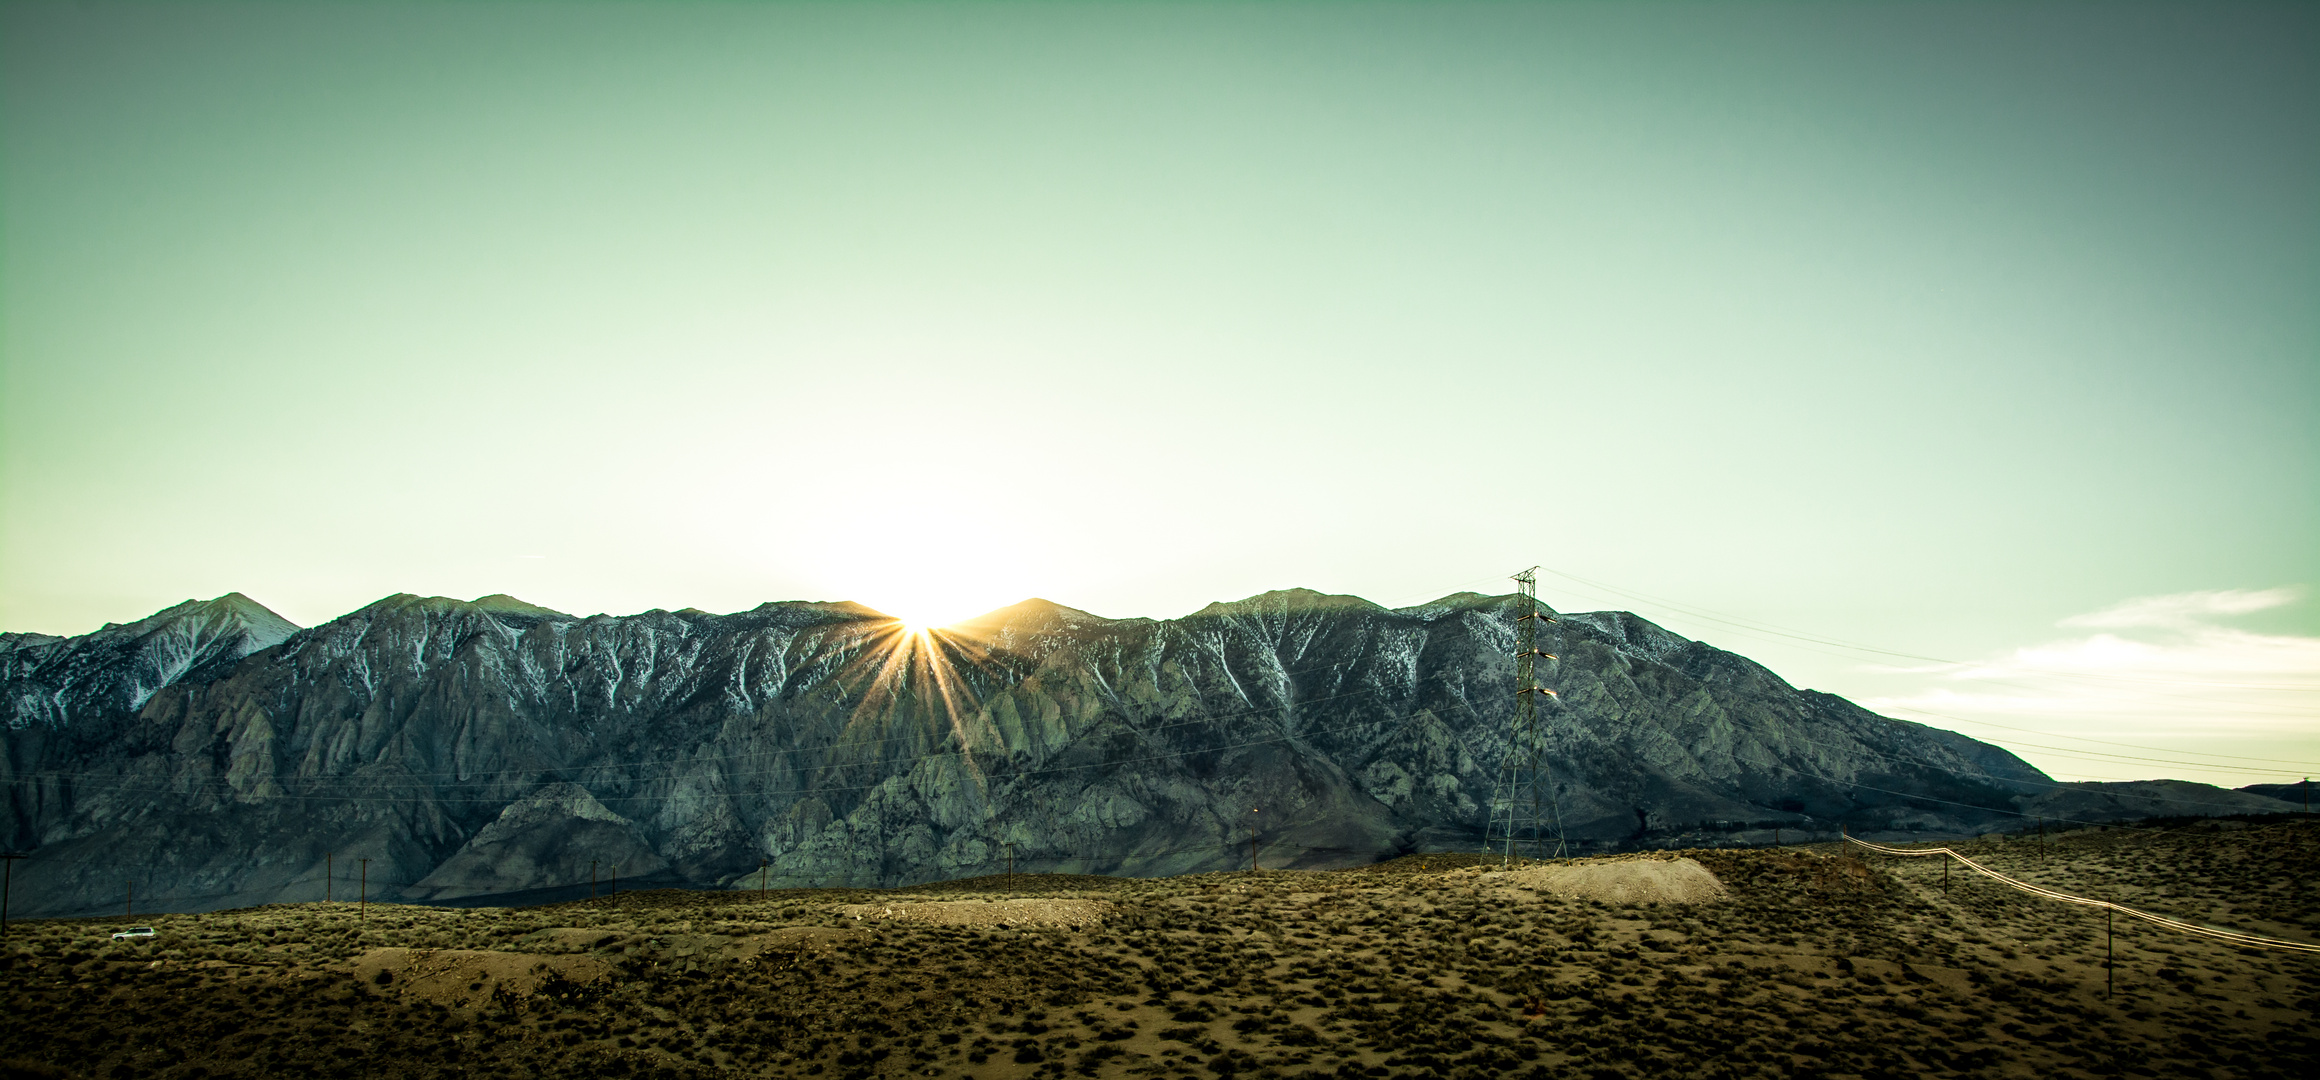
(1525, 810)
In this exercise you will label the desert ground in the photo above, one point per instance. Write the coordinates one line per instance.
(1791, 962)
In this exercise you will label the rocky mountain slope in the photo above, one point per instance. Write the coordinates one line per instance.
(74, 683)
(213, 756)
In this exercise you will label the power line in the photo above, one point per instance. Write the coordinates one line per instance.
(1740, 622)
(1852, 746)
(2193, 687)
(2230, 937)
(220, 785)
(2105, 742)
(1774, 765)
(1286, 708)
(1223, 843)
(473, 779)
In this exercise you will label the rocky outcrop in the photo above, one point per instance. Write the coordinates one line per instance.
(494, 746)
(555, 835)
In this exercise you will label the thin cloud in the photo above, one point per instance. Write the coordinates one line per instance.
(2158, 668)
(2184, 610)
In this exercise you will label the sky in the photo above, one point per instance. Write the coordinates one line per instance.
(1959, 358)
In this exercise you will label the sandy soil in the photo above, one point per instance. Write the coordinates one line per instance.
(1019, 912)
(470, 977)
(1641, 880)
(1816, 964)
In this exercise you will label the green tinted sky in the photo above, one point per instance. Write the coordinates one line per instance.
(1926, 326)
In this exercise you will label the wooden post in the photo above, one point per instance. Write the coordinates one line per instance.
(329, 873)
(2110, 956)
(761, 880)
(614, 889)
(1252, 839)
(1010, 864)
(132, 901)
(592, 879)
(362, 895)
(7, 878)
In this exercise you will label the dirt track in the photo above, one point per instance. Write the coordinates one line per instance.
(1814, 965)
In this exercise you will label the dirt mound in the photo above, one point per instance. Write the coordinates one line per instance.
(1623, 881)
(1026, 912)
(467, 977)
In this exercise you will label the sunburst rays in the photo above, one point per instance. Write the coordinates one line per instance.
(900, 665)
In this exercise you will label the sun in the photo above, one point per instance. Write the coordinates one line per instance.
(920, 624)
(922, 618)
(941, 604)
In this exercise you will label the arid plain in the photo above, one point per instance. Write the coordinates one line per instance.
(1798, 961)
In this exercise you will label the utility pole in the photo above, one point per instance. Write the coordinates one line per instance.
(1252, 839)
(1526, 802)
(761, 881)
(614, 889)
(362, 896)
(7, 878)
(592, 879)
(1010, 864)
(329, 873)
(132, 908)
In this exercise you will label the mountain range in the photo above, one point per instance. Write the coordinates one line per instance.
(438, 750)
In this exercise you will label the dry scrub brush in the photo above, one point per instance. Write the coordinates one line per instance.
(1819, 964)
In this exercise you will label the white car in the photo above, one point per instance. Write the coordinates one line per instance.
(133, 932)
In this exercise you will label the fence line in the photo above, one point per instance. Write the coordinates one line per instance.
(2232, 937)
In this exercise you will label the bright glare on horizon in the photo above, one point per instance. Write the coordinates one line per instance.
(918, 627)
(935, 601)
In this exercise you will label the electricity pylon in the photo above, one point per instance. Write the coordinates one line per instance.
(1525, 810)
